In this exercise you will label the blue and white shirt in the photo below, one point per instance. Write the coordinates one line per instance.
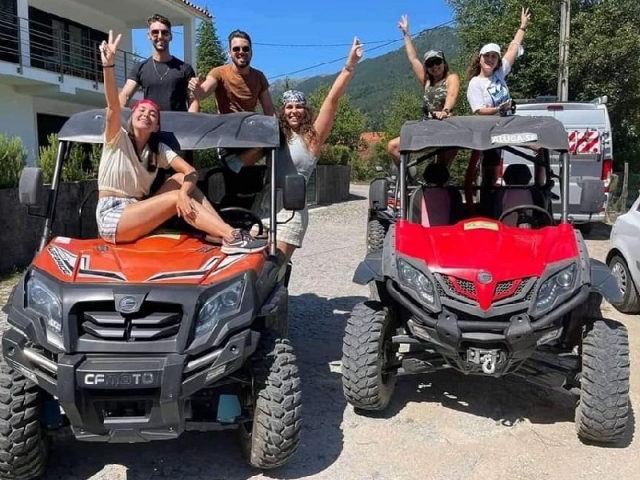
(487, 92)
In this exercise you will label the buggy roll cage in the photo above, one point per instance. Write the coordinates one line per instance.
(480, 134)
(183, 131)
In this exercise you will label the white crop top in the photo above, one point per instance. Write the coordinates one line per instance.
(121, 172)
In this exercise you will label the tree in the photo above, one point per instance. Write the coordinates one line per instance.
(349, 122)
(605, 60)
(405, 105)
(210, 54)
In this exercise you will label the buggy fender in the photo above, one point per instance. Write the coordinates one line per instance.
(369, 269)
(603, 282)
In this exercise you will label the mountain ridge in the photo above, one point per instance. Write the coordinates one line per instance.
(376, 79)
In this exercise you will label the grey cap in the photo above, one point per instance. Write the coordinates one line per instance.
(433, 54)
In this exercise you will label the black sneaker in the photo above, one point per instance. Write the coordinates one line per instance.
(243, 242)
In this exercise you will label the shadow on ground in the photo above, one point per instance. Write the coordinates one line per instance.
(316, 326)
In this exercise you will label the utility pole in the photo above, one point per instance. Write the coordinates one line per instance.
(563, 71)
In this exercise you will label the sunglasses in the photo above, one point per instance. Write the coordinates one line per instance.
(245, 49)
(433, 63)
(164, 33)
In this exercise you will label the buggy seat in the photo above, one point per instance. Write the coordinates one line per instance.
(434, 204)
(518, 192)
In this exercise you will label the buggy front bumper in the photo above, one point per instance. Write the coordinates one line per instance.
(455, 337)
(97, 393)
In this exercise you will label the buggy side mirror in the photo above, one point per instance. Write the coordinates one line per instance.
(294, 195)
(378, 192)
(30, 186)
(592, 196)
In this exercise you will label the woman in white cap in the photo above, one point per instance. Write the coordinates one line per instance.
(488, 93)
(441, 87)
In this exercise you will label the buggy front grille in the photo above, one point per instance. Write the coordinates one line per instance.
(154, 321)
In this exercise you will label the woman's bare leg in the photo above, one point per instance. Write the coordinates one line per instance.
(141, 218)
(393, 147)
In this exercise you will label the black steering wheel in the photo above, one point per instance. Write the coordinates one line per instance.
(522, 208)
(244, 218)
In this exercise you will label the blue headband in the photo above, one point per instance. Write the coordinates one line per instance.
(294, 96)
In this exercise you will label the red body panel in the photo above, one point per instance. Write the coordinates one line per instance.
(463, 250)
(162, 258)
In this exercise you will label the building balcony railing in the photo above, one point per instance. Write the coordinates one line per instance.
(25, 42)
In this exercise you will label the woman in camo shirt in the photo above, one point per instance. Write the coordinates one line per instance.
(441, 88)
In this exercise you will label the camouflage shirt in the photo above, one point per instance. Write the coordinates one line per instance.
(435, 96)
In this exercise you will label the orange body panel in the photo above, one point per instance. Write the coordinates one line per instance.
(173, 258)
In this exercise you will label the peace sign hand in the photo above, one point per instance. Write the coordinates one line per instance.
(108, 49)
(403, 24)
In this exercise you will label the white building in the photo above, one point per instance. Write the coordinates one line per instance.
(49, 62)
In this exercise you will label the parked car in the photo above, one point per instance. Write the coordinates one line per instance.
(623, 257)
(588, 128)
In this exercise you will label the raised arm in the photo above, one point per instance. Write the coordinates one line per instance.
(416, 64)
(512, 51)
(327, 113)
(108, 54)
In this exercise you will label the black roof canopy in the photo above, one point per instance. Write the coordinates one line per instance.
(483, 133)
(185, 130)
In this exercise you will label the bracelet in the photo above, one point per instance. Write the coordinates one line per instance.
(524, 29)
(349, 68)
(108, 66)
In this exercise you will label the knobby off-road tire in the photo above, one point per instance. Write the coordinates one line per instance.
(603, 409)
(23, 446)
(376, 232)
(273, 437)
(366, 341)
(630, 299)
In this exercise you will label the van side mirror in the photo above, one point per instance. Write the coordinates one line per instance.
(294, 195)
(378, 192)
(592, 196)
(30, 186)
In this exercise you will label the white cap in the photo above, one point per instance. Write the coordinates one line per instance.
(490, 47)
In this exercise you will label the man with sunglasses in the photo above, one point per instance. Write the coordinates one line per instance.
(162, 77)
(238, 87)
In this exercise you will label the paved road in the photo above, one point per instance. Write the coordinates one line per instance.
(440, 426)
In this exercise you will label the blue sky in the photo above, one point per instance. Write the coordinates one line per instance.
(302, 22)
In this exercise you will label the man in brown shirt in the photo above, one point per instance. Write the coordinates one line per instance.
(237, 86)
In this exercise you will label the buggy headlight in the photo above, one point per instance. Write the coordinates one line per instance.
(43, 301)
(220, 305)
(555, 286)
(417, 281)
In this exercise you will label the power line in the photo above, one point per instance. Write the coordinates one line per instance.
(317, 45)
(329, 62)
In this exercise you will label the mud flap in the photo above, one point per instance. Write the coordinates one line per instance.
(369, 269)
(603, 282)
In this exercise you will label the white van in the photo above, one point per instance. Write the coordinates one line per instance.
(589, 131)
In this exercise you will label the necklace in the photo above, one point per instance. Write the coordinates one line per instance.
(158, 73)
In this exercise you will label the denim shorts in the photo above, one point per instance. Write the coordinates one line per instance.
(108, 213)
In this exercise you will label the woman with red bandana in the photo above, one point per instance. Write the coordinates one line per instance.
(129, 164)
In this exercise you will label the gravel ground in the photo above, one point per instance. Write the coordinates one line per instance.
(438, 426)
